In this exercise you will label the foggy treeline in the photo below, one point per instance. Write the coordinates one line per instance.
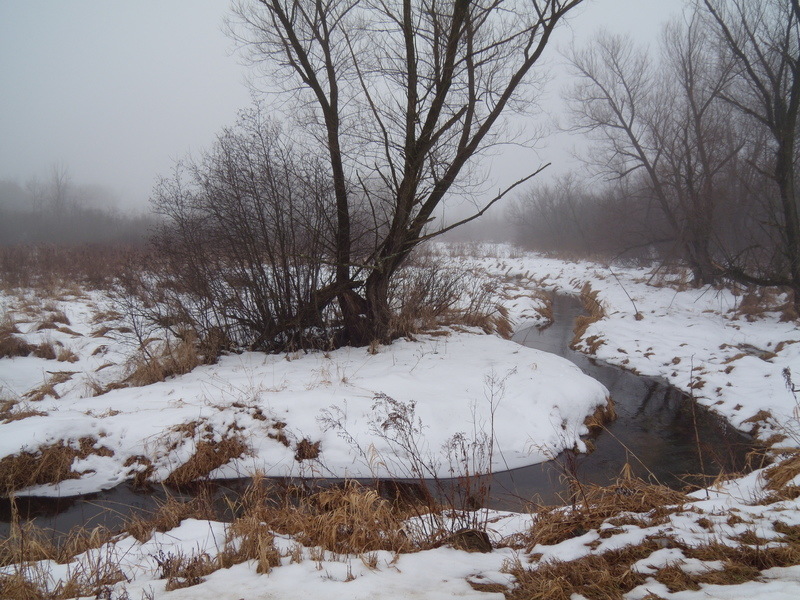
(54, 210)
(692, 150)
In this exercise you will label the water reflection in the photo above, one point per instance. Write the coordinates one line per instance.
(659, 431)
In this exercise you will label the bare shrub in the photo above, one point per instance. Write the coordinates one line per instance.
(241, 257)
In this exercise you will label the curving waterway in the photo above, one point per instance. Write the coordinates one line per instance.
(659, 432)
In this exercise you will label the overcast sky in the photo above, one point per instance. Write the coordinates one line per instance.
(116, 91)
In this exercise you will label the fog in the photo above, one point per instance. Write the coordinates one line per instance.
(116, 92)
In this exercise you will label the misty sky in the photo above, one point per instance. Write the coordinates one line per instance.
(116, 91)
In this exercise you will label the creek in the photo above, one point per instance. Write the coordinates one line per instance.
(659, 432)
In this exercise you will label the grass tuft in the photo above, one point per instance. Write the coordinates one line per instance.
(47, 464)
(209, 455)
(594, 312)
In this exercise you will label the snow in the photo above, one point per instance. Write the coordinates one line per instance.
(508, 405)
(532, 403)
(697, 339)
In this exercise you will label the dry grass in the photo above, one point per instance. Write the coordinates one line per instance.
(93, 576)
(779, 477)
(545, 310)
(169, 515)
(53, 318)
(176, 358)
(14, 410)
(48, 388)
(428, 295)
(46, 350)
(602, 416)
(28, 543)
(306, 450)
(593, 505)
(48, 464)
(105, 329)
(10, 344)
(609, 575)
(594, 312)
(250, 539)
(632, 501)
(209, 455)
(596, 577)
(347, 519)
(66, 355)
(56, 270)
(141, 467)
(758, 300)
(182, 571)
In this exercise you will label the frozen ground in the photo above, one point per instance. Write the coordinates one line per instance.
(730, 516)
(714, 344)
(367, 414)
(732, 358)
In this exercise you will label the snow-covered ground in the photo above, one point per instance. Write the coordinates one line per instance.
(700, 340)
(707, 342)
(452, 391)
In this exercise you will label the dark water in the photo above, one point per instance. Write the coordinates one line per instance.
(659, 432)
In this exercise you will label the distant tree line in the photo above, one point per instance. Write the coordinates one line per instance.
(54, 210)
(694, 148)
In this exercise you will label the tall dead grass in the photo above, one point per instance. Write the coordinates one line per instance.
(46, 464)
(208, 455)
(593, 505)
(594, 312)
(50, 269)
(169, 515)
(428, 294)
(346, 519)
(10, 344)
(174, 358)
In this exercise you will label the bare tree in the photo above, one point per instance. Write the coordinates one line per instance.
(763, 39)
(662, 119)
(402, 93)
(699, 138)
(60, 188)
